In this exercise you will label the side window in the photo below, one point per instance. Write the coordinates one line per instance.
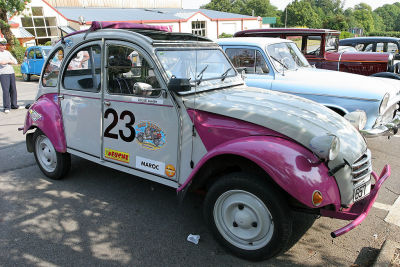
(242, 58)
(261, 65)
(368, 47)
(31, 54)
(83, 70)
(129, 73)
(52, 68)
(359, 47)
(38, 53)
(313, 45)
(380, 47)
(392, 48)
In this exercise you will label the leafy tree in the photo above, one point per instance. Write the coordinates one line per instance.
(218, 5)
(363, 16)
(8, 7)
(389, 15)
(301, 13)
(336, 22)
(262, 8)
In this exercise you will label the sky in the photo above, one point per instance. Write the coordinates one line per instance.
(281, 4)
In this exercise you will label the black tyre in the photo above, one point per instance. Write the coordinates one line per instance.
(53, 164)
(26, 77)
(249, 216)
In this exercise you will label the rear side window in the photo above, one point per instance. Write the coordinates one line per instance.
(392, 48)
(52, 69)
(83, 70)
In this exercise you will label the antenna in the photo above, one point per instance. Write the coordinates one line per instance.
(194, 103)
(62, 36)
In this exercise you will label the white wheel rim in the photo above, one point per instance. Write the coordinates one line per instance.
(46, 154)
(243, 220)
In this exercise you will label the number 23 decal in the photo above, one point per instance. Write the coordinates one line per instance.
(125, 113)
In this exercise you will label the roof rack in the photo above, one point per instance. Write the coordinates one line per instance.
(97, 25)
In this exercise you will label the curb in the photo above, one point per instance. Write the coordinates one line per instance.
(386, 254)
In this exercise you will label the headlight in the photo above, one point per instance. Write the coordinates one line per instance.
(384, 103)
(326, 147)
(357, 118)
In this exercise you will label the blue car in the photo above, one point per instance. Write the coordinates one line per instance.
(35, 56)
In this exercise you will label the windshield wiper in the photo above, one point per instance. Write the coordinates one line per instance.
(277, 60)
(200, 75)
(223, 76)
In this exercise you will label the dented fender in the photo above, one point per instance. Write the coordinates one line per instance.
(45, 114)
(293, 167)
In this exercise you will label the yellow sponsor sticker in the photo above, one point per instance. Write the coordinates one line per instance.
(170, 170)
(116, 155)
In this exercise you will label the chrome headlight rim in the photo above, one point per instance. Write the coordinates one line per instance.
(357, 118)
(384, 103)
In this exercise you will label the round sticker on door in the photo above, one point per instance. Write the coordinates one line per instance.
(170, 170)
(149, 135)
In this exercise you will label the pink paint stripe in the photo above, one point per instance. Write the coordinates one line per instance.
(373, 195)
(113, 100)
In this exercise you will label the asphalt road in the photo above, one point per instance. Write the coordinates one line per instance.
(101, 217)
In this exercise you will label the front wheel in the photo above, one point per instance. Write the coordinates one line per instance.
(26, 77)
(248, 216)
(53, 164)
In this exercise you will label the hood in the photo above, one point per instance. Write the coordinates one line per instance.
(298, 118)
(340, 84)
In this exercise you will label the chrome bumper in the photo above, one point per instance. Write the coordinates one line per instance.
(388, 129)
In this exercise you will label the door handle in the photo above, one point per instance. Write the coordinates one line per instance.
(107, 103)
(60, 96)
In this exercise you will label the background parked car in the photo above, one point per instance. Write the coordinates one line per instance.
(374, 44)
(277, 64)
(320, 47)
(33, 61)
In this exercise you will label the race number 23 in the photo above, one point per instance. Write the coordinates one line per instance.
(114, 114)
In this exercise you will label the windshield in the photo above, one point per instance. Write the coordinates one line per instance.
(211, 64)
(286, 55)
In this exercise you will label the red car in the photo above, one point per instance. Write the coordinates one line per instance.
(321, 48)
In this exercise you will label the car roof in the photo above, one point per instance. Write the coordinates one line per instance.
(289, 31)
(255, 41)
(370, 38)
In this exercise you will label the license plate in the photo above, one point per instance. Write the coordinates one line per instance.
(362, 191)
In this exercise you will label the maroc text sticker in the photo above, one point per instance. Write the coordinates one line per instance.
(149, 135)
(170, 170)
(116, 155)
(35, 116)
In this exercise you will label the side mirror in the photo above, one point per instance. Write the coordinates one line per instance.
(144, 89)
(178, 85)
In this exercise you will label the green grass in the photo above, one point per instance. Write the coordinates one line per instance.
(17, 70)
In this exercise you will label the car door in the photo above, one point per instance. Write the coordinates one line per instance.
(31, 61)
(253, 61)
(38, 61)
(140, 129)
(80, 94)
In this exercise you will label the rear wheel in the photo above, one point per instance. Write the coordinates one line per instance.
(26, 77)
(248, 216)
(53, 164)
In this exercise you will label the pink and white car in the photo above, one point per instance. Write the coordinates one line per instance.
(258, 154)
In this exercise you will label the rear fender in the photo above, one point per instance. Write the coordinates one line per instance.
(45, 114)
(293, 167)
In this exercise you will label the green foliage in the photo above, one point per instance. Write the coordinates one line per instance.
(336, 22)
(345, 34)
(301, 13)
(390, 16)
(386, 34)
(10, 7)
(225, 35)
(48, 43)
(19, 53)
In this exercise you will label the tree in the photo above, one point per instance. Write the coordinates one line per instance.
(219, 5)
(10, 7)
(262, 8)
(363, 16)
(336, 22)
(389, 14)
(301, 13)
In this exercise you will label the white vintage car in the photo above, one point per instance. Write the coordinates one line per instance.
(277, 64)
(171, 108)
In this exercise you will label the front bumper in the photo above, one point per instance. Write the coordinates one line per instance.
(388, 129)
(359, 211)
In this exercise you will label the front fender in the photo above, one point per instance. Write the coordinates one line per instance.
(293, 167)
(24, 68)
(45, 114)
